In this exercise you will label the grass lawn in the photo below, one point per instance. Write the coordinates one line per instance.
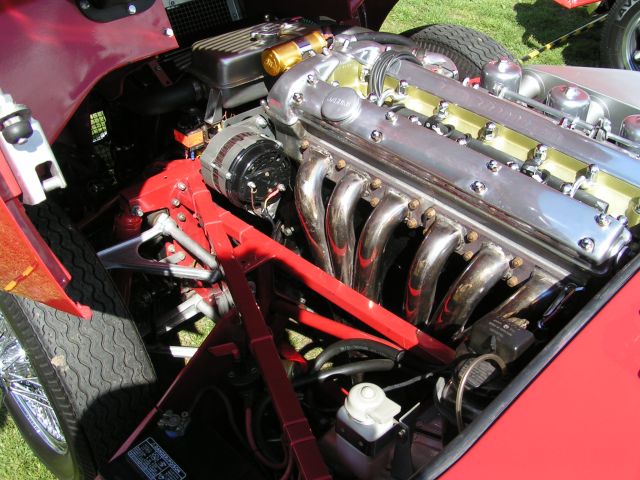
(521, 26)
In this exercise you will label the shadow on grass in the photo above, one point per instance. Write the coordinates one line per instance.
(545, 21)
(3, 416)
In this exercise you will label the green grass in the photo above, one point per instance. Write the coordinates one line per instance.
(520, 26)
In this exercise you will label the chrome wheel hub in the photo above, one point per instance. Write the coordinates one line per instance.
(19, 381)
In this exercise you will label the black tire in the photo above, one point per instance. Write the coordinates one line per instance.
(96, 373)
(620, 36)
(470, 50)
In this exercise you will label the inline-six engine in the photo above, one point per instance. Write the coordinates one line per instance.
(540, 195)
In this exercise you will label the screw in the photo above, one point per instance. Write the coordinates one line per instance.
(391, 116)
(340, 164)
(489, 131)
(137, 211)
(132, 9)
(168, 32)
(587, 244)
(493, 166)
(374, 202)
(478, 187)
(376, 136)
(402, 87)
(175, 202)
(261, 122)
(311, 79)
(517, 262)
(468, 255)
(412, 223)
(512, 281)
(298, 98)
(430, 212)
(471, 236)
(376, 183)
(181, 186)
(181, 216)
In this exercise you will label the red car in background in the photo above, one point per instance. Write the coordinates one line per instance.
(619, 46)
(420, 257)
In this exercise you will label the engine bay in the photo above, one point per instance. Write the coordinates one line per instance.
(382, 245)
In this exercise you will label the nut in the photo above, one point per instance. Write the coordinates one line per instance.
(391, 116)
(603, 220)
(413, 204)
(512, 281)
(412, 223)
(517, 262)
(376, 136)
(298, 98)
(376, 183)
(340, 164)
(374, 202)
(430, 212)
(468, 255)
(471, 236)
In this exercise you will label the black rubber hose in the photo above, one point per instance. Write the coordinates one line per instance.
(385, 37)
(165, 100)
(361, 345)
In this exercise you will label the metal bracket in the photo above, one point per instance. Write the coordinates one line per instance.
(126, 254)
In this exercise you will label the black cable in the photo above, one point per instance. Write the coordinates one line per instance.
(382, 65)
(361, 345)
(385, 37)
(227, 406)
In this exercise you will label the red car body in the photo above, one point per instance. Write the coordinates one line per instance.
(579, 418)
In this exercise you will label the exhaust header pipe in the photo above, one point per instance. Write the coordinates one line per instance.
(439, 243)
(308, 199)
(339, 227)
(369, 270)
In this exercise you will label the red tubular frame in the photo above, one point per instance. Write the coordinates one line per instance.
(252, 250)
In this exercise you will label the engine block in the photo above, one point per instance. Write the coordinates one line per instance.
(438, 154)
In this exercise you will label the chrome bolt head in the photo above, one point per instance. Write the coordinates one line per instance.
(376, 136)
(181, 186)
(261, 122)
(298, 98)
(478, 187)
(391, 116)
(137, 211)
(131, 9)
(592, 172)
(540, 154)
(489, 131)
(493, 166)
(312, 79)
(175, 202)
(414, 119)
(623, 220)
(181, 216)
(566, 188)
(402, 87)
(168, 32)
(335, 83)
(372, 97)
(587, 244)
(603, 220)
